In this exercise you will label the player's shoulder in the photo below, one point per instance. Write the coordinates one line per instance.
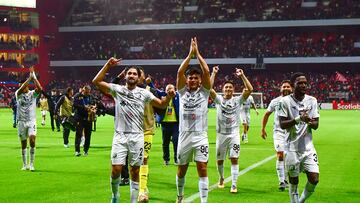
(276, 100)
(285, 99)
(310, 98)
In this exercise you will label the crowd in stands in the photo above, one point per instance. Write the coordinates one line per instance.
(12, 20)
(114, 12)
(26, 61)
(25, 43)
(215, 44)
(321, 85)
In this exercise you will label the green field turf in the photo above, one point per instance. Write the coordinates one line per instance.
(62, 177)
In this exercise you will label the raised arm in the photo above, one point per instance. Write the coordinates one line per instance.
(205, 80)
(213, 75)
(38, 86)
(249, 88)
(23, 85)
(181, 79)
(213, 94)
(264, 122)
(98, 80)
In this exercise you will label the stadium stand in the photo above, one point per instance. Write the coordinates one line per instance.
(113, 12)
(217, 44)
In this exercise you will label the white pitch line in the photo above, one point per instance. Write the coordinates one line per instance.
(228, 179)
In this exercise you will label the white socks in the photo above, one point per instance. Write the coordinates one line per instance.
(234, 174)
(180, 182)
(308, 191)
(24, 156)
(32, 156)
(115, 187)
(293, 193)
(204, 188)
(134, 191)
(221, 170)
(280, 169)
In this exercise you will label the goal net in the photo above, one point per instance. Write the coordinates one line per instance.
(258, 98)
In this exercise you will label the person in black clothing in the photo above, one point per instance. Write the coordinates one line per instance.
(55, 96)
(52, 99)
(51, 104)
(84, 114)
(13, 106)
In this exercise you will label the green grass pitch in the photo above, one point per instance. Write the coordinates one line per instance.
(62, 177)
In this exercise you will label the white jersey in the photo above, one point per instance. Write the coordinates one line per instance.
(26, 106)
(246, 104)
(274, 107)
(129, 108)
(228, 114)
(300, 135)
(193, 110)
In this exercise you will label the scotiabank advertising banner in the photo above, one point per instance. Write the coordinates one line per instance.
(346, 106)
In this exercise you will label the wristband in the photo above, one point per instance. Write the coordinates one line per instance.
(297, 119)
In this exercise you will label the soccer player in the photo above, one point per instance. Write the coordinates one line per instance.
(128, 138)
(44, 107)
(279, 135)
(193, 86)
(227, 125)
(245, 115)
(298, 114)
(26, 116)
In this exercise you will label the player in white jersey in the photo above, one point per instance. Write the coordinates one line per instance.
(128, 138)
(279, 135)
(227, 125)
(193, 86)
(245, 115)
(26, 117)
(298, 114)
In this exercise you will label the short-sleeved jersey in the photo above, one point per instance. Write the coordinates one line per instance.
(193, 110)
(129, 108)
(300, 135)
(228, 114)
(44, 104)
(246, 104)
(274, 107)
(26, 106)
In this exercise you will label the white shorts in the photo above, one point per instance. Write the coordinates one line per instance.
(245, 118)
(26, 128)
(192, 146)
(279, 142)
(124, 144)
(297, 162)
(225, 143)
(43, 112)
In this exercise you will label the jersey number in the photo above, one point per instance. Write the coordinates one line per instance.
(204, 149)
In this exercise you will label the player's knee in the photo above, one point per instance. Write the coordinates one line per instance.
(234, 161)
(202, 169)
(280, 156)
(314, 179)
(220, 162)
(116, 171)
(294, 180)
